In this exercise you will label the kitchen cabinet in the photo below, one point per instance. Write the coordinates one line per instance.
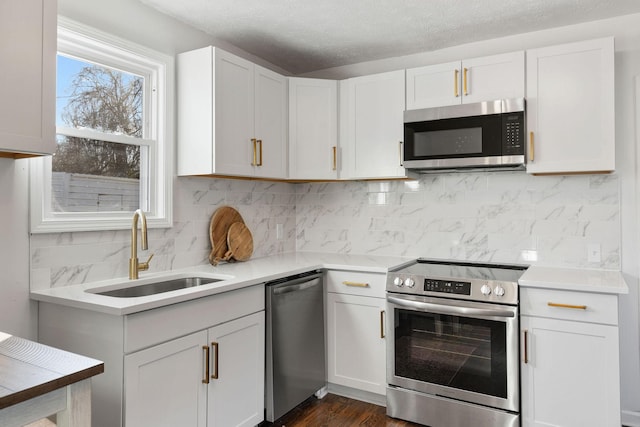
(570, 108)
(356, 331)
(157, 359)
(462, 82)
(313, 129)
(570, 365)
(229, 391)
(27, 87)
(371, 125)
(232, 116)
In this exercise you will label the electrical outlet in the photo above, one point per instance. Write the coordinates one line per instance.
(279, 231)
(593, 252)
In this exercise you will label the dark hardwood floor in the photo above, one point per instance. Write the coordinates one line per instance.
(338, 411)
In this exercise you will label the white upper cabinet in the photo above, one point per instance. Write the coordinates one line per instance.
(232, 116)
(371, 125)
(473, 80)
(313, 129)
(570, 108)
(27, 86)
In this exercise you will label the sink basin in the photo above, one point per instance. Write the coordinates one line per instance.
(158, 287)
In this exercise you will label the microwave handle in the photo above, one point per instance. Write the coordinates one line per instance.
(448, 309)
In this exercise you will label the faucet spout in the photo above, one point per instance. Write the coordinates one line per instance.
(134, 265)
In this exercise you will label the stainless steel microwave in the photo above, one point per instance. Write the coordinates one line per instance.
(479, 135)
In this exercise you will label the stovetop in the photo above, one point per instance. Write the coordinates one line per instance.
(496, 283)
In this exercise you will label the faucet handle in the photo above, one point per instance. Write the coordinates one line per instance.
(145, 265)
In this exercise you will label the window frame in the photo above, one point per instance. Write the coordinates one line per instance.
(85, 43)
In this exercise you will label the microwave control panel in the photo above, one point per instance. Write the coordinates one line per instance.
(513, 133)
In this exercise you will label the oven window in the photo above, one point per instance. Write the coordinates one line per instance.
(448, 142)
(459, 352)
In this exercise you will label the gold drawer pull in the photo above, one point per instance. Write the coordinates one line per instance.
(532, 147)
(382, 335)
(466, 92)
(206, 364)
(215, 346)
(254, 142)
(526, 346)
(456, 73)
(335, 157)
(576, 307)
(355, 284)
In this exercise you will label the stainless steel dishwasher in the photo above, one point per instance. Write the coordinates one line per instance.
(295, 353)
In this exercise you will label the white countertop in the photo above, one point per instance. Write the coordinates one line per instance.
(235, 276)
(574, 279)
(257, 271)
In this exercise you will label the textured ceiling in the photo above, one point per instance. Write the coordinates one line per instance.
(308, 35)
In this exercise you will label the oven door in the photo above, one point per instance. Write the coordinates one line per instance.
(463, 350)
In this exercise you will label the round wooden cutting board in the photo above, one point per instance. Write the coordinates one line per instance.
(221, 221)
(240, 242)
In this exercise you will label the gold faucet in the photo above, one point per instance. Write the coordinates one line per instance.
(134, 265)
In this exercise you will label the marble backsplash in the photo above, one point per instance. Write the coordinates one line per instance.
(495, 216)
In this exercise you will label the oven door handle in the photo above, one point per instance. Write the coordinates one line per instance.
(449, 309)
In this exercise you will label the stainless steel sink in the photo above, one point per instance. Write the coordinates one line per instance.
(158, 287)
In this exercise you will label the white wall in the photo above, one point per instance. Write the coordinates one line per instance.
(17, 312)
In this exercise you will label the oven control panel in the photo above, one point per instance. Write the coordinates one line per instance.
(447, 286)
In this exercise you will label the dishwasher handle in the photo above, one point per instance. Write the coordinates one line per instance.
(286, 288)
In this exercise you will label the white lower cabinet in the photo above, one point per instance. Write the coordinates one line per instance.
(197, 363)
(356, 331)
(570, 365)
(209, 378)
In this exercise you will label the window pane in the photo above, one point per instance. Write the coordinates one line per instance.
(95, 176)
(98, 97)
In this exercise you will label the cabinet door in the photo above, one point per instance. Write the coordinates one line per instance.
(493, 77)
(234, 114)
(571, 378)
(164, 384)
(270, 123)
(27, 87)
(236, 396)
(570, 108)
(313, 128)
(434, 86)
(375, 109)
(356, 343)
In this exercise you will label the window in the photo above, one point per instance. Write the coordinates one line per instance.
(114, 136)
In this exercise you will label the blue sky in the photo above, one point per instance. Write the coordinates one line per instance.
(67, 68)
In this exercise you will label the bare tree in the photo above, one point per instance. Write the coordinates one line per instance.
(104, 100)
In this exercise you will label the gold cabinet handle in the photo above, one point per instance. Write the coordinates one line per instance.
(526, 346)
(456, 73)
(215, 346)
(464, 78)
(532, 148)
(260, 147)
(401, 156)
(382, 335)
(254, 162)
(335, 157)
(355, 284)
(205, 380)
(575, 307)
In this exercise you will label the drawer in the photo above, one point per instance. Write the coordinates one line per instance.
(151, 327)
(569, 305)
(356, 283)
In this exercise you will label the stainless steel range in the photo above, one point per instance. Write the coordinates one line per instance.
(453, 356)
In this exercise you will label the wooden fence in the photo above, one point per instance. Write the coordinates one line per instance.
(92, 193)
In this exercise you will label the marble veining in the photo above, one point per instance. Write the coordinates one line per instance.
(490, 217)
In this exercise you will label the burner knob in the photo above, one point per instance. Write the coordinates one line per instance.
(485, 290)
(499, 291)
(397, 281)
(409, 282)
